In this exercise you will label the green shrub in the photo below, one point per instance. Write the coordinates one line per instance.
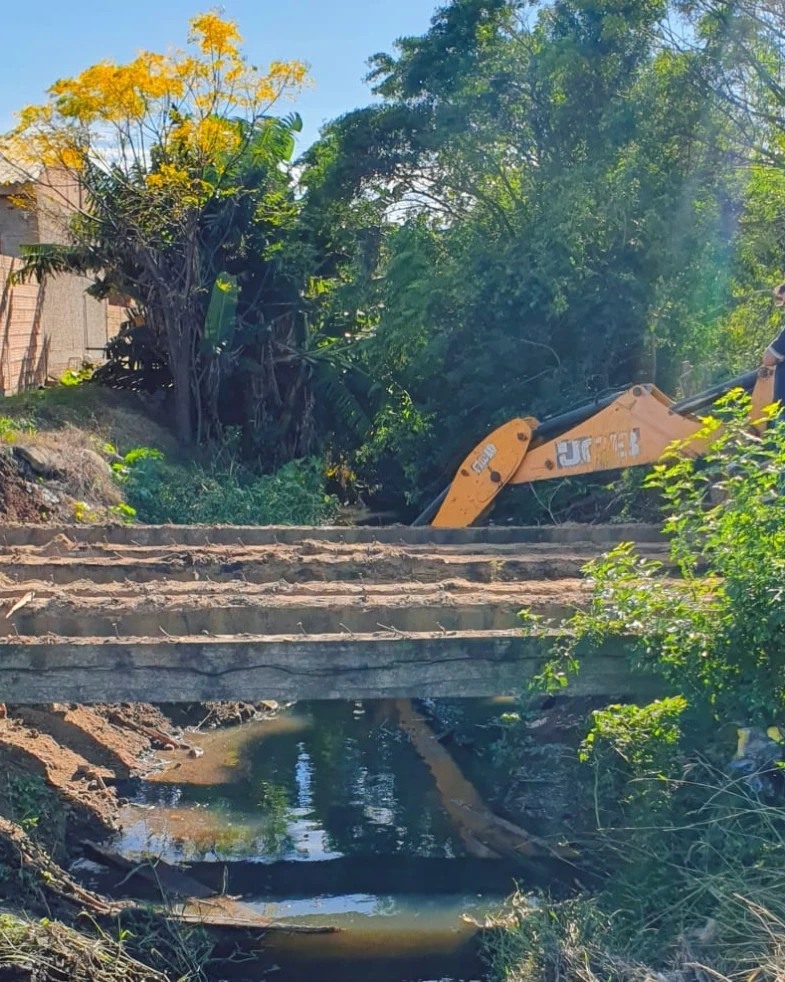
(164, 493)
(12, 429)
(712, 621)
(689, 848)
(36, 807)
(634, 752)
(76, 377)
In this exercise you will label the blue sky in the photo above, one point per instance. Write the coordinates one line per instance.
(50, 39)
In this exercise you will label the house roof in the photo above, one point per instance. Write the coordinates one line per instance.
(10, 174)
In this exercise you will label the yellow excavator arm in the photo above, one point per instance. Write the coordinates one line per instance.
(625, 429)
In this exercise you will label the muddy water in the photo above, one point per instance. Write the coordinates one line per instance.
(325, 815)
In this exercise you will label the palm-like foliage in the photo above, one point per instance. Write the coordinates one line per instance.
(253, 360)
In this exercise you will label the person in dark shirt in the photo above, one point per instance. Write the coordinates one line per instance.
(774, 355)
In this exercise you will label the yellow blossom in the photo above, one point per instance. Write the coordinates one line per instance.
(167, 176)
(216, 136)
(215, 35)
(182, 104)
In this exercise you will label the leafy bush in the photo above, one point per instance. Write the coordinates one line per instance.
(634, 752)
(712, 619)
(12, 429)
(164, 493)
(690, 848)
(77, 376)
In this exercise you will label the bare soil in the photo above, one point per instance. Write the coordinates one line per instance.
(20, 500)
(67, 588)
(79, 752)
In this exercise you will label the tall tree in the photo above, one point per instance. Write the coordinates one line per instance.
(168, 152)
(551, 199)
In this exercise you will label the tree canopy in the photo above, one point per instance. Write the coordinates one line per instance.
(186, 200)
(553, 204)
(544, 201)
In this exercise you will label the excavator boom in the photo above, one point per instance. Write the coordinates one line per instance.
(624, 429)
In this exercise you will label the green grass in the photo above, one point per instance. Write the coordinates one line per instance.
(57, 406)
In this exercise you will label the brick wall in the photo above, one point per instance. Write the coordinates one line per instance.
(44, 330)
(17, 227)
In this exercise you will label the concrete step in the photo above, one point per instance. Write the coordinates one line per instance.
(355, 617)
(169, 614)
(255, 535)
(380, 564)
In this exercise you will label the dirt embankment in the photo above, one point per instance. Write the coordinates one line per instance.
(59, 766)
(57, 448)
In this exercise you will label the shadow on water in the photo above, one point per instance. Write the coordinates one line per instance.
(324, 815)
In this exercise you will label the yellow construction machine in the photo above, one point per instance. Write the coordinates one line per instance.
(625, 428)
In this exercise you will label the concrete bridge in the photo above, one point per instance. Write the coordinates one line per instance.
(186, 614)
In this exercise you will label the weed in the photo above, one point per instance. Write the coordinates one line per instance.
(12, 429)
(36, 807)
(126, 513)
(163, 493)
(495, 567)
(177, 950)
(84, 514)
(77, 377)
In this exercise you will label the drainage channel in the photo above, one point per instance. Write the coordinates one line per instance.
(323, 816)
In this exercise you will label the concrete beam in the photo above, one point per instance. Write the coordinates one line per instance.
(257, 535)
(281, 668)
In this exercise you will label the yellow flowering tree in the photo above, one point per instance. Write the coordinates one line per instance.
(151, 165)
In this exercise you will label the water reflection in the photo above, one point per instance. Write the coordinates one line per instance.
(345, 784)
(325, 815)
(430, 913)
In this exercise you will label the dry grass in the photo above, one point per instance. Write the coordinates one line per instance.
(48, 950)
(559, 943)
(127, 421)
(78, 430)
(717, 916)
(112, 936)
(124, 419)
(82, 472)
(573, 941)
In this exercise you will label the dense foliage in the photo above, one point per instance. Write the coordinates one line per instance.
(161, 492)
(711, 618)
(544, 201)
(548, 201)
(686, 793)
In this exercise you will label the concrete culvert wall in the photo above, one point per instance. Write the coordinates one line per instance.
(172, 614)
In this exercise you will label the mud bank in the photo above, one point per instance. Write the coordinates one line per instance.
(80, 752)
(59, 767)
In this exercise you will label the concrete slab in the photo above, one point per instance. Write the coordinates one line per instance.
(370, 666)
(189, 614)
(256, 535)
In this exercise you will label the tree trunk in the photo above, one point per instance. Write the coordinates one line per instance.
(182, 376)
